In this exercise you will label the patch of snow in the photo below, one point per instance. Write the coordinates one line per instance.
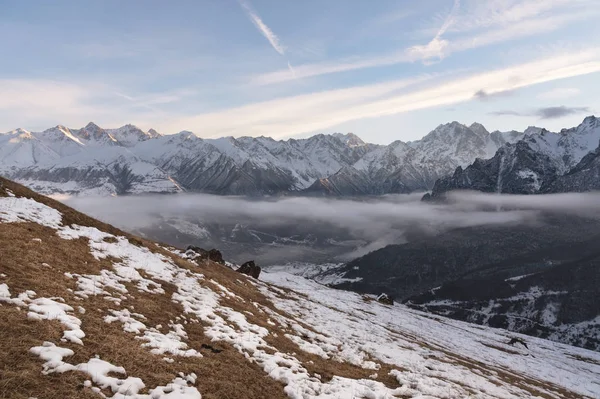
(49, 309)
(126, 318)
(19, 209)
(98, 370)
(528, 174)
(517, 278)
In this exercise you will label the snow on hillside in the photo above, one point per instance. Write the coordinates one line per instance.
(427, 349)
(314, 341)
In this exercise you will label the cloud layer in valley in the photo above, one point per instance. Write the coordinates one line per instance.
(371, 223)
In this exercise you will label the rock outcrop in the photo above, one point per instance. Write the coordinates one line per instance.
(250, 268)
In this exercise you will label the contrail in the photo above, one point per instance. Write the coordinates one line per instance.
(262, 27)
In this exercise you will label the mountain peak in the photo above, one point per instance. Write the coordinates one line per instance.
(533, 130)
(479, 129)
(350, 139)
(62, 128)
(19, 131)
(590, 119)
(446, 129)
(153, 133)
(590, 122)
(93, 132)
(92, 126)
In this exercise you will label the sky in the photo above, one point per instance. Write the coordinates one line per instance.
(385, 70)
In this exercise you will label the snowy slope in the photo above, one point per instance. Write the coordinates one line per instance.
(137, 321)
(427, 349)
(19, 149)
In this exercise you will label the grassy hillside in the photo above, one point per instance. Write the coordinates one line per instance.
(87, 310)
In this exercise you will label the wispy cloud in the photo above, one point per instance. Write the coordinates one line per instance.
(324, 68)
(306, 113)
(559, 93)
(494, 13)
(559, 112)
(40, 101)
(291, 69)
(37, 104)
(152, 102)
(495, 21)
(508, 112)
(545, 112)
(262, 27)
(436, 47)
(485, 96)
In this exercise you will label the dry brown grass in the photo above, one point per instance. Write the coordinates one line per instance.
(585, 359)
(226, 374)
(501, 349)
(223, 375)
(40, 266)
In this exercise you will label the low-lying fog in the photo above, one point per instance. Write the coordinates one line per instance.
(300, 229)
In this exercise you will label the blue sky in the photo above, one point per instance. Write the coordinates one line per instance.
(386, 70)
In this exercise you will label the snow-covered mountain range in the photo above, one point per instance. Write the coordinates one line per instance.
(540, 162)
(128, 160)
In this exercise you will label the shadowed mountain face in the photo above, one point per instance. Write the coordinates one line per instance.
(90, 161)
(585, 176)
(541, 279)
(541, 162)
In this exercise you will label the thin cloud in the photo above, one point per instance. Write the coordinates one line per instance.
(545, 112)
(503, 26)
(486, 14)
(483, 95)
(291, 68)
(437, 46)
(508, 113)
(262, 27)
(325, 68)
(287, 116)
(559, 93)
(559, 112)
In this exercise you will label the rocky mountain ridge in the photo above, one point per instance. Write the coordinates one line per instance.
(128, 160)
(540, 162)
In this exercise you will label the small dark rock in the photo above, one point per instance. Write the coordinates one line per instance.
(385, 299)
(216, 256)
(199, 254)
(211, 348)
(250, 268)
(515, 340)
